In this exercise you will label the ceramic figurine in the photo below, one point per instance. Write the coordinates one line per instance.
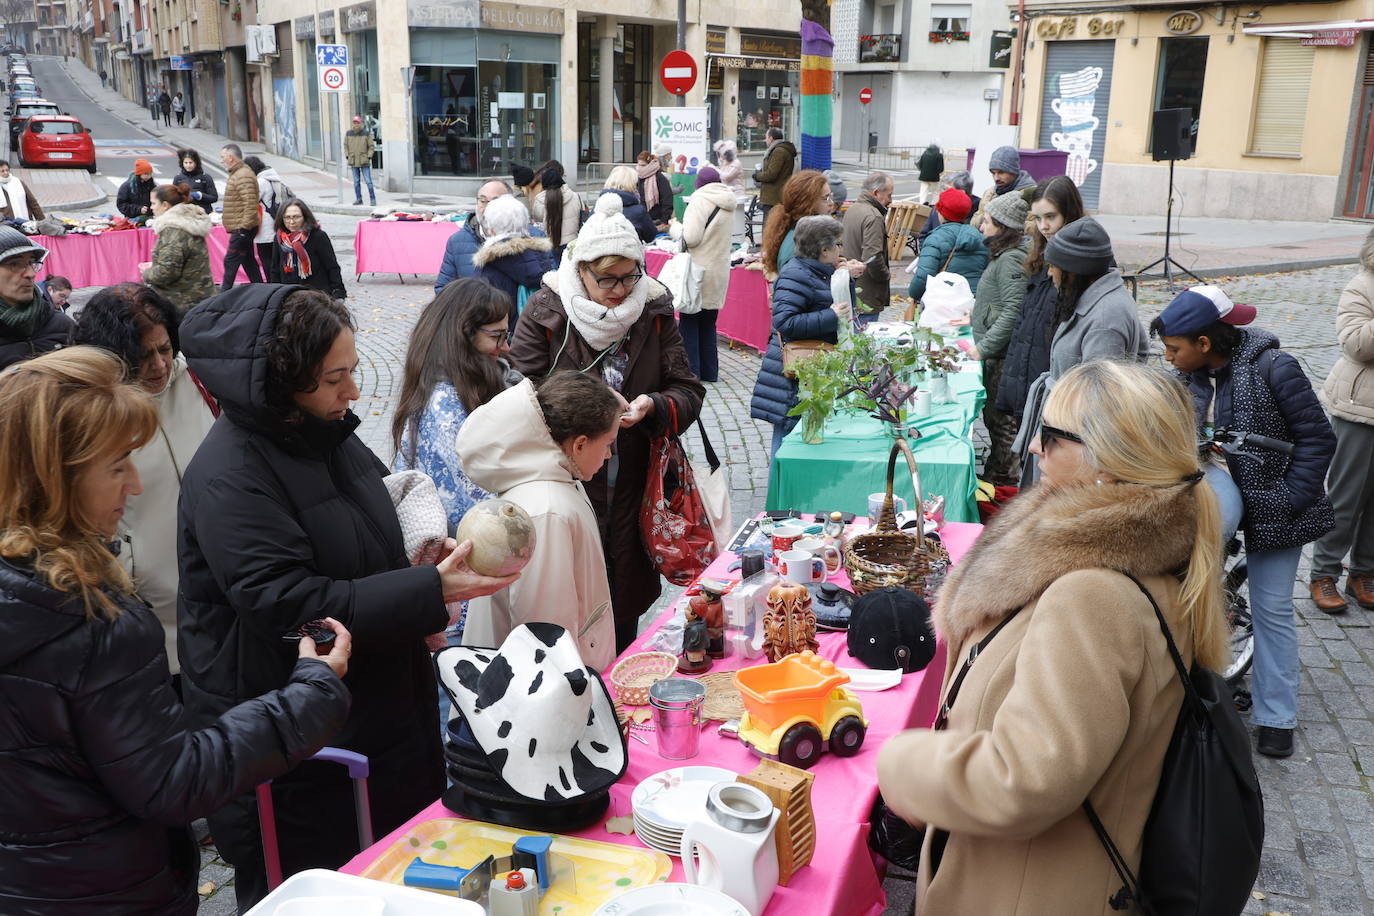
(711, 609)
(695, 640)
(790, 623)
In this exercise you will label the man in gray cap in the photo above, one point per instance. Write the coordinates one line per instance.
(28, 324)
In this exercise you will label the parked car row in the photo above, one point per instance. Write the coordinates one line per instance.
(40, 132)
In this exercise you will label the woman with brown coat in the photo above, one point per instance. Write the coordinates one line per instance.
(1076, 697)
(599, 313)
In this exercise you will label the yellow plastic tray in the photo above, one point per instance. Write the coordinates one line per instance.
(603, 870)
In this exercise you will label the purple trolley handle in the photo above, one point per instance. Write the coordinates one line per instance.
(357, 767)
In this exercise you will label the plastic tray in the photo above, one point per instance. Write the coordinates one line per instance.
(602, 870)
(320, 892)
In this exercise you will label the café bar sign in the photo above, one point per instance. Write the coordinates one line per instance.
(1331, 38)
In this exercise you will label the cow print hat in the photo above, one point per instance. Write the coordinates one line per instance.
(544, 719)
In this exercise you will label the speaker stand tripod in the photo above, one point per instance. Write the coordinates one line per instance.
(1169, 263)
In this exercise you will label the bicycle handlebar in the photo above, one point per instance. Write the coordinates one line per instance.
(1235, 442)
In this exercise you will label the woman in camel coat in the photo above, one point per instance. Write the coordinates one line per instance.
(705, 232)
(1076, 697)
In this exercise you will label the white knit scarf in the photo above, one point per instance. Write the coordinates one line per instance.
(13, 190)
(599, 325)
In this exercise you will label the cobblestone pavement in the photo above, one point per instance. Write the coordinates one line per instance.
(1319, 842)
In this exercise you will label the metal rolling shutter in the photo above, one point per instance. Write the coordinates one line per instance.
(1073, 108)
(1281, 101)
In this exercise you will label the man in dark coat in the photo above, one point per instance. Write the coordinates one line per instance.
(282, 521)
(865, 240)
(463, 244)
(774, 171)
(633, 209)
(28, 324)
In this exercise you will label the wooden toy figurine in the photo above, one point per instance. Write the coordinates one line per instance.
(789, 624)
(711, 609)
(695, 640)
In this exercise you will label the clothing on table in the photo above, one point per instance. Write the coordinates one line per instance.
(865, 239)
(281, 524)
(180, 266)
(308, 259)
(201, 183)
(1075, 698)
(17, 201)
(648, 359)
(507, 449)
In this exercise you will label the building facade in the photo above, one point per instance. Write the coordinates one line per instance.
(1279, 101)
(936, 70)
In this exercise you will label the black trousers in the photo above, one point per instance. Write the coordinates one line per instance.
(240, 252)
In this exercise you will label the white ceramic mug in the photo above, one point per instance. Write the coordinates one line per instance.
(801, 566)
(920, 404)
(829, 553)
(875, 505)
(785, 537)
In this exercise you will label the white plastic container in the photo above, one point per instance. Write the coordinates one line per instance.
(320, 892)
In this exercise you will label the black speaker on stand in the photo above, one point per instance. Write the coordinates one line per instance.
(1171, 139)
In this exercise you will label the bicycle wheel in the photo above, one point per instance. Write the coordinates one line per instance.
(1238, 621)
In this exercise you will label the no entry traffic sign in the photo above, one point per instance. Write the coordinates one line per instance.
(865, 95)
(678, 73)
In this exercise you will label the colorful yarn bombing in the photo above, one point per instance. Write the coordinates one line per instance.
(817, 105)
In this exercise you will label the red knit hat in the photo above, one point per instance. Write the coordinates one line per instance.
(143, 167)
(953, 206)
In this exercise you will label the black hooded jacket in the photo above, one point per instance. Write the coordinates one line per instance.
(99, 770)
(280, 525)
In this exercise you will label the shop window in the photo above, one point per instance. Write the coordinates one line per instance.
(1281, 98)
(1182, 66)
(950, 21)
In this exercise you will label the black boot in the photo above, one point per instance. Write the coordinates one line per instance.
(1275, 742)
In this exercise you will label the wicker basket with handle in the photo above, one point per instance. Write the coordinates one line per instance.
(887, 556)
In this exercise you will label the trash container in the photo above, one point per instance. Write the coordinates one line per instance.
(872, 142)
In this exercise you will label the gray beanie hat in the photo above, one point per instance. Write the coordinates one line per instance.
(1082, 247)
(1005, 159)
(838, 191)
(14, 243)
(1008, 209)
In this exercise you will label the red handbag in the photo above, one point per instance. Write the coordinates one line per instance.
(672, 519)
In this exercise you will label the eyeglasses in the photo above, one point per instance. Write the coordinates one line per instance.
(1050, 434)
(22, 263)
(497, 336)
(628, 281)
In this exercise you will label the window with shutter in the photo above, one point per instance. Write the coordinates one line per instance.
(1281, 99)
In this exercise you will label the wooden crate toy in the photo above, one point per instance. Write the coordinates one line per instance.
(789, 789)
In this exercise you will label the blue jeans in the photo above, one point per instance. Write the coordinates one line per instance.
(780, 431)
(699, 340)
(1274, 684)
(364, 172)
(1229, 498)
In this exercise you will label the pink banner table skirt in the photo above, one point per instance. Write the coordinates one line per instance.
(402, 247)
(842, 879)
(747, 315)
(113, 257)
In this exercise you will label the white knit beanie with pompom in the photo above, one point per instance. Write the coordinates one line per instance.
(607, 232)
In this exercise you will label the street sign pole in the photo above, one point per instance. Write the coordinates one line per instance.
(338, 151)
(408, 77)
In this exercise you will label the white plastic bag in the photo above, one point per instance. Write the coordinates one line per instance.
(947, 303)
(682, 276)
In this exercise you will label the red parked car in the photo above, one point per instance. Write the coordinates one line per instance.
(56, 140)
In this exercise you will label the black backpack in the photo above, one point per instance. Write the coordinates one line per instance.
(1201, 849)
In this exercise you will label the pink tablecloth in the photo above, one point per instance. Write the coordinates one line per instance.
(401, 247)
(746, 317)
(103, 260)
(841, 879)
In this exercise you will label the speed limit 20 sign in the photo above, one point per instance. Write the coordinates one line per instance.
(332, 63)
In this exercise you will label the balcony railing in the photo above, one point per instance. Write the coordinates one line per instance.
(880, 48)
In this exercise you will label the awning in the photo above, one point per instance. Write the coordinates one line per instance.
(1309, 29)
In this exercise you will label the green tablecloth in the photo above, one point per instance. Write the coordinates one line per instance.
(851, 462)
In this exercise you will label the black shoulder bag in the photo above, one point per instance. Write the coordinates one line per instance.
(1201, 848)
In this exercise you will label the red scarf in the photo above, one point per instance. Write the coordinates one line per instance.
(294, 258)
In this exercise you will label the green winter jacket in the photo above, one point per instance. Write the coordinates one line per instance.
(997, 303)
(969, 258)
(181, 262)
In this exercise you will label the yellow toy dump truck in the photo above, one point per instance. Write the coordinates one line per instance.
(797, 705)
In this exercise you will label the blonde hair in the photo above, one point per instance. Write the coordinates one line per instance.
(606, 262)
(1137, 425)
(622, 178)
(61, 414)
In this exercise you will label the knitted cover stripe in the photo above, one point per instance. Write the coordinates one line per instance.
(817, 107)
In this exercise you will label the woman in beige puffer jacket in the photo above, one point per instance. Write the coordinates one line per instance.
(1348, 396)
(706, 227)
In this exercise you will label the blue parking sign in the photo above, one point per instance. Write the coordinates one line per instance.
(331, 55)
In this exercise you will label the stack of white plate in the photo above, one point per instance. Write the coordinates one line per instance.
(665, 803)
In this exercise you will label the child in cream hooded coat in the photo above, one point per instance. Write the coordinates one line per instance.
(506, 449)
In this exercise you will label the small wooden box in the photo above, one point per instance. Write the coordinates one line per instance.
(789, 789)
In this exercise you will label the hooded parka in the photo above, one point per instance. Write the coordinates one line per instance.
(100, 772)
(1075, 698)
(180, 268)
(506, 449)
(201, 181)
(279, 525)
(1349, 389)
(954, 247)
(510, 262)
(545, 340)
(710, 245)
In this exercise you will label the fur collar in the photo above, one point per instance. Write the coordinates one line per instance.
(189, 218)
(502, 246)
(1044, 534)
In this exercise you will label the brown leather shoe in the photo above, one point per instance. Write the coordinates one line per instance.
(1325, 596)
(1360, 586)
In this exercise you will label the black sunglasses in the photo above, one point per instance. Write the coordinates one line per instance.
(1050, 434)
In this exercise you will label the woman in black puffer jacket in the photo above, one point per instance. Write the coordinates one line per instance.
(99, 773)
(803, 309)
(202, 185)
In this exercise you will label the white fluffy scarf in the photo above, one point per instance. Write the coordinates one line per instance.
(13, 189)
(599, 325)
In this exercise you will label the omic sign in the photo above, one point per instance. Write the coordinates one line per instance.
(685, 130)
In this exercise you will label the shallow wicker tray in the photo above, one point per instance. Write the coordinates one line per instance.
(633, 675)
(723, 700)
